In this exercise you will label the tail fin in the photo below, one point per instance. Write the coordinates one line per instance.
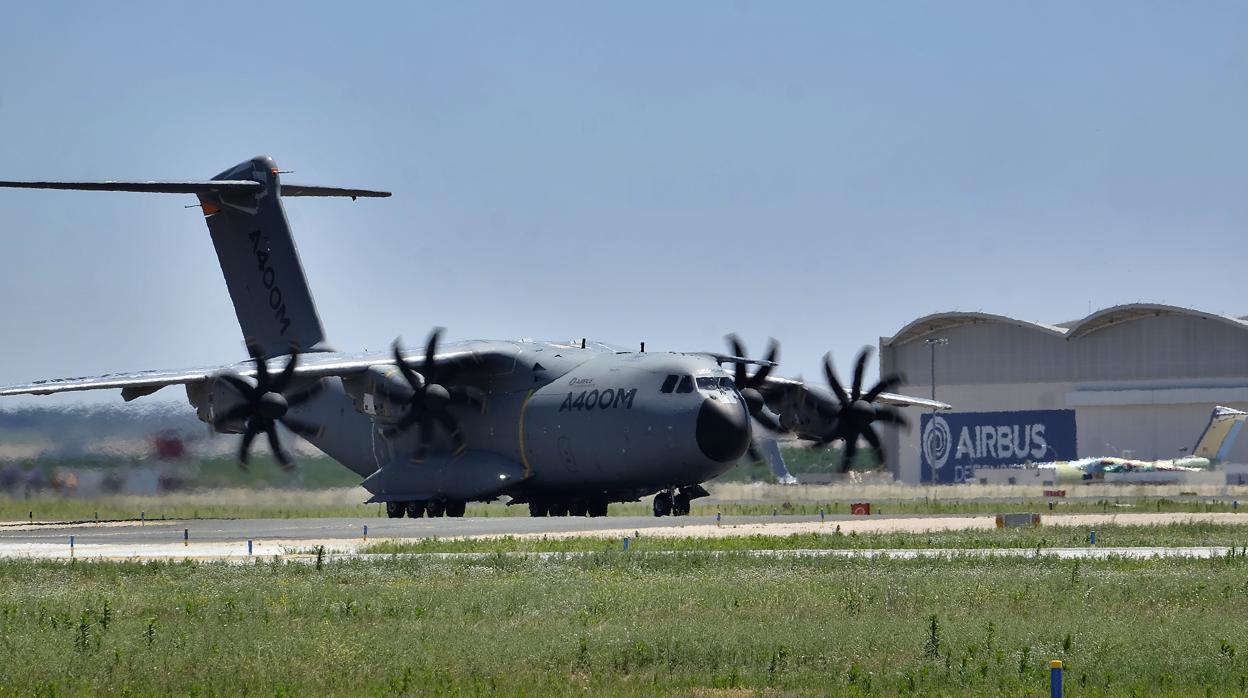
(260, 263)
(1216, 441)
(243, 209)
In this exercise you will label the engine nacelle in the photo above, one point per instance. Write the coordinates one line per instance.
(214, 398)
(374, 390)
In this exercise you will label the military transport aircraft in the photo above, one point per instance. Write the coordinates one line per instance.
(565, 427)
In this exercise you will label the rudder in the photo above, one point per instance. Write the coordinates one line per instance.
(260, 262)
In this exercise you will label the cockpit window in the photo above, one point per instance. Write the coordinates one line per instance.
(669, 384)
(686, 385)
(708, 383)
(727, 383)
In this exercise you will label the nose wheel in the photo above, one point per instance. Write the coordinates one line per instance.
(663, 504)
(673, 503)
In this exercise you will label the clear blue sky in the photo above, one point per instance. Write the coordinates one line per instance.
(820, 172)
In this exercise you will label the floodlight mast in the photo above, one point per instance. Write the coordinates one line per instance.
(932, 343)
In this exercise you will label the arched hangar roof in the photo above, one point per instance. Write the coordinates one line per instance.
(1119, 314)
(944, 321)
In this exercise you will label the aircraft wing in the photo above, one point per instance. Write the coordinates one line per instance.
(140, 383)
(776, 385)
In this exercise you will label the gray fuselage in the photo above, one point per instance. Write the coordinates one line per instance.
(559, 419)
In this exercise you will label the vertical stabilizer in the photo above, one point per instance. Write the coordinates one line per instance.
(1224, 425)
(243, 208)
(260, 263)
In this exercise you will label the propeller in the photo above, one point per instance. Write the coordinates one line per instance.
(748, 385)
(427, 399)
(857, 410)
(266, 403)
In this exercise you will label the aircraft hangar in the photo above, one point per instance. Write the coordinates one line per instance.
(1134, 381)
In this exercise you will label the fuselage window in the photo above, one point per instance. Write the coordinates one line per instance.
(686, 385)
(669, 384)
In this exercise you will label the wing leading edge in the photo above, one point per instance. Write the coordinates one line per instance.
(140, 383)
(776, 385)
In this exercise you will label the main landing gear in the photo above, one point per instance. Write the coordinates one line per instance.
(432, 508)
(592, 506)
(674, 503)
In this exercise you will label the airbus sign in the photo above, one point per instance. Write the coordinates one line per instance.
(955, 444)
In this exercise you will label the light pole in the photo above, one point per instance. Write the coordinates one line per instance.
(932, 344)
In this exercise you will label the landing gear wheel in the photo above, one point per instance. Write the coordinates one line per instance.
(435, 508)
(396, 510)
(558, 509)
(537, 509)
(415, 510)
(663, 504)
(579, 507)
(456, 509)
(680, 505)
(598, 507)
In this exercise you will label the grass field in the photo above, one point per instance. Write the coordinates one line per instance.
(1111, 535)
(626, 624)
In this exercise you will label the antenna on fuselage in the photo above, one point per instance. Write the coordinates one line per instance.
(643, 347)
(582, 342)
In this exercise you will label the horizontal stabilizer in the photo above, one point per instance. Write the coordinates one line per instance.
(221, 186)
(312, 190)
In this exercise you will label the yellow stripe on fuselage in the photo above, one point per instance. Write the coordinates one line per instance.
(524, 458)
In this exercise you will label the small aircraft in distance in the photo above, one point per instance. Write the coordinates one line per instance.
(564, 427)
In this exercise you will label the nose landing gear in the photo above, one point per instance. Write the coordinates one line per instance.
(674, 503)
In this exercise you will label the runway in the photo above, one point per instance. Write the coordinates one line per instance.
(293, 538)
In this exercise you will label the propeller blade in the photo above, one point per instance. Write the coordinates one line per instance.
(307, 394)
(451, 425)
(891, 415)
(768, 421)
(426, 438)
(847, 454)
(874, 439)
(830, 374)
(247, 390)
(234, 413)
(283, 459)
(413, 379)
(244, 448)
(431, 352)
(288, 372)
(304, 429)
(886, 384)
(407, 422)
(773, 355)
(860, 367)
(740, 377)
(262, 366)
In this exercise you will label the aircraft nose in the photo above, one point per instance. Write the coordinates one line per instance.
(723, 430)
